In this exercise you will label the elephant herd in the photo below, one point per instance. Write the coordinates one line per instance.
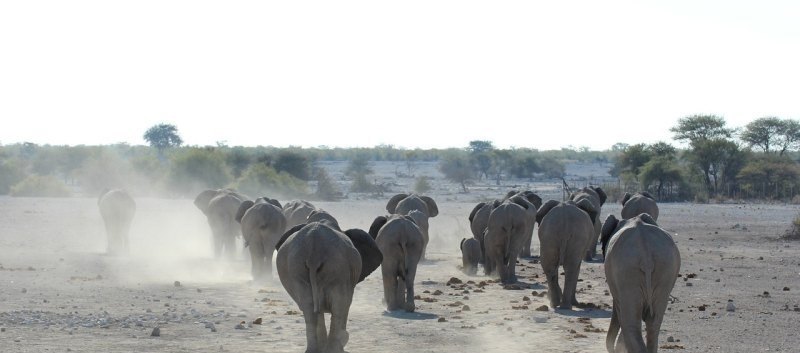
(319, 264)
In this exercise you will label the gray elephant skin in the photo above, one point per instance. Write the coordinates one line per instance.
(117, 208)
(636, 204)
(470, 255)
(297, 211)
(565, 231)
(402, 204)
(401, 243)
(597, 197)
(479, 219)
(220, 208)
(319, 267)
(505, 235)
(641, 265)
(262, 224)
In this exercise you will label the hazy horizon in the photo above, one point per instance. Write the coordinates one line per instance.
(412, 75)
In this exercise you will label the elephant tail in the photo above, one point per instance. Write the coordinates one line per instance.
(613, 330)
(406, 260)
(507, 255)
(647, 268)
(316, 290)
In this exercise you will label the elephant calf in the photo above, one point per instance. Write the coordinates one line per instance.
(319, 267)
(565, 231)
(470, 255)
(117, 209)
(401, 243)
(641, 266)
(641, 202)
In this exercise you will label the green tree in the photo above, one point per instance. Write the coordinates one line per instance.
(163, 136)
(326, 188)
(294, 163)
(710, 147)
(700, 128)
(763, 133)
(456, 167)
(358, 165)
(194, 169)
(481, 156)
(660, 171)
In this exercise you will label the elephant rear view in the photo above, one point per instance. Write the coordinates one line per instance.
(597, 197)
(565, 231)
(641, 202)
(401, 243)
(470, 255)
(641, 266)
(263, 224)
(117, 209)
(505, 235)
(220, 208)
(319, 267)
(403, 204)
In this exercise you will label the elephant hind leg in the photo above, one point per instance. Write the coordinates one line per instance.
(339, 311)
(630, 319)
(314, 341)
(613, 329)
(653, 324)
(571, 272)
(390, 287)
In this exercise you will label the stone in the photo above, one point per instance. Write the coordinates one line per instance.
(156, 332)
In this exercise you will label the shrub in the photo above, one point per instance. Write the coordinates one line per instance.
(422, 185)
(260, 180)
(11, 173)
(361, 184)
(794, 232)
(326, 188)
(195, 169)
(40, 186)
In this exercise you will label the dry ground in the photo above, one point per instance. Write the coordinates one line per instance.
(60, 293)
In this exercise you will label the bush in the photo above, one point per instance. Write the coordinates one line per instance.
(361, 184)
(195, 169)
(40, 186)
(794, 232)
(260, 180)
(326, 188)
(11, 173)
(422, 185)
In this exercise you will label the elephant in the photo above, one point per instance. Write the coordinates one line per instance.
(220, 207)
(598, 197)
(117, 208)
(319, 267)
(505, 235)
(522, 198)
(263, 224)
(641, 265)
(565, 232)
(323, 216)
(470, 255)
(402, 204)
(479, 220)
(297, 211)
(401, 243)
(641, 202)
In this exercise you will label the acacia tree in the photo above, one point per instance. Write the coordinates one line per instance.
(456, 167)
(709, 145)
(163, 136)
(772, 134)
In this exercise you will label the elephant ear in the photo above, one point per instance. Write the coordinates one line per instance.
(602, 195)
(461, 246)
(243, 209)
(391, 206)
(544, 210)
(323, 217)
(289, 233)
(609, 228)
(371, 256)
(625, 198)
(646, 218)
(270, 201)
(647, 195)
(522, 201)
(433, 209)
(533, 198)
(587, 207)
(510, 194)
(475, 210)
(102, 193)
(376, 226)
(202, 200)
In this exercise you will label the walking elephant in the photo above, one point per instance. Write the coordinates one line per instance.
(402, 204)
(641, 202)
(479, 220)
(117, 208)
(597, 197)
(525, 199)
(470, 255)
(401, 243)
(220, 207)
(297, 211)
(319, 267)
(505, 236)
(263, 224)
(641, 266)
(565, 231)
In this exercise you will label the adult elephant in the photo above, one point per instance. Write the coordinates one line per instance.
(319, 267)
(597, 197)
(402, 204)
(401, 243)
(479, 220)
(297, 212)
(263, 224)
(525, 199)
(220, 207)
(117, 208)
(565, 231)
(641, 265)
(636, 204)
(505, 235)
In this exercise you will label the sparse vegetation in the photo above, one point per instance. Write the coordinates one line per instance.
(422, 185)
(40, 186)
(794, 231)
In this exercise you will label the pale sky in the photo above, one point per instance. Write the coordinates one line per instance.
(428, 74)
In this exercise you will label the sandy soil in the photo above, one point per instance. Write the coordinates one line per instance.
(60, 293)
